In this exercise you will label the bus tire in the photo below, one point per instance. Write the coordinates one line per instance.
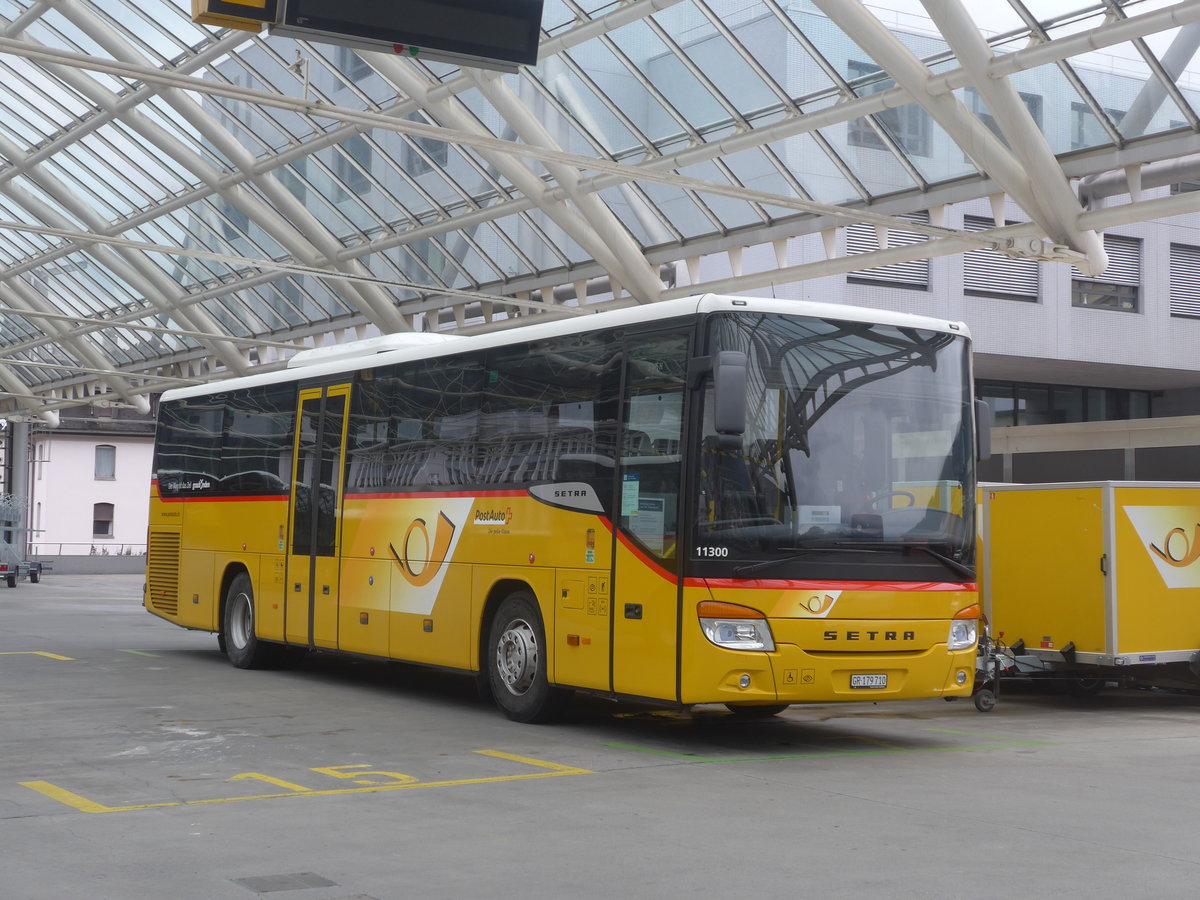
(516, 662)
(242, 646)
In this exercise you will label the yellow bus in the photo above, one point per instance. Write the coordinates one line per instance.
(716, 500)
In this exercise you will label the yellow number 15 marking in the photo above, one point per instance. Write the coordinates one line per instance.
(370, 781)
(351, 773)
(358, 777)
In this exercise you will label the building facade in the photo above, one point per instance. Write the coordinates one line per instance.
(89, 484)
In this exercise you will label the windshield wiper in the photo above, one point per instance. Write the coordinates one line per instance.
(855, 546)
(953, 564)
(751, 568)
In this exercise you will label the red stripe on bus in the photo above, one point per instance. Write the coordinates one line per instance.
(648, 561)
(434, 495)
(251, 498)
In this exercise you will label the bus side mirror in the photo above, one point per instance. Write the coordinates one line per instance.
(729, 392)
(984, 420)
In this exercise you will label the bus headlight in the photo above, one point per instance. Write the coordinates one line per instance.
(964, 629)
(735, 627)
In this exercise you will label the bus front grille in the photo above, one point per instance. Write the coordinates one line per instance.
(162, 572)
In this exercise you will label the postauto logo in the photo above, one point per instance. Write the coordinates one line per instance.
(1171, 535)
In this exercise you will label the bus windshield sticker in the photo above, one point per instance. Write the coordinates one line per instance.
(650, 523)
(630, 492)
(820, 515)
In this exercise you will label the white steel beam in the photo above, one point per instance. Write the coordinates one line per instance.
(1097, 220)
(1045, 193)
(289, 222)
(653, 169)
(624, 260)
(975, 139)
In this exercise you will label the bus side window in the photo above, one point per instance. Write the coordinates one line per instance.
(550, 413)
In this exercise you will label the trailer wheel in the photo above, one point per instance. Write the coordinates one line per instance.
(517, 664)
(35, 575)
(12, 580)
(985, 700)
(1085, 687)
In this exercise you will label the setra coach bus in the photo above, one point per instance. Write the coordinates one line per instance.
(725, 500)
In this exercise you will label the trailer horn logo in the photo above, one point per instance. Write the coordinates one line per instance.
(416, 546)
(1190, 548)
(1171, 547)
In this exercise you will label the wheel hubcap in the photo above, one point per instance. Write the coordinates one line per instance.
(517, 657)
(241, 621)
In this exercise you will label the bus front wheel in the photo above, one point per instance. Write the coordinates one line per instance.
(237, 627)
(516, 661)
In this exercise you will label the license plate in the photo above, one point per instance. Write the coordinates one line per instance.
(871, 682)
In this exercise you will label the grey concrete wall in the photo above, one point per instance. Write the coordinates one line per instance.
(95, 565)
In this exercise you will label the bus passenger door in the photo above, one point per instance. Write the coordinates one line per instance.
(645, 588)
(311, 609)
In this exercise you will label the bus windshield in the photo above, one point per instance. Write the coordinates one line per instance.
(858, 442)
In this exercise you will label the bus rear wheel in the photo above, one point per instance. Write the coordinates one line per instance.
(237, 627)
(516, 662)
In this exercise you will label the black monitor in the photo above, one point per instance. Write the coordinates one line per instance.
(490, 33)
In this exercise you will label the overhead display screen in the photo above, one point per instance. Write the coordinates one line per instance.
(505, 31)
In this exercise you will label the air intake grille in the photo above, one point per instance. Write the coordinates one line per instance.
(162, 572)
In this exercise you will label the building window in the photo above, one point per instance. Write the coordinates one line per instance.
(1086, 128)
(1185, 281)
(106, 462)
(1119, 287)
(909, 125)
(102, 520)
(987, 273)
(352, 162)
(429, 263)
(234, 222)
(422, 154)
(351, 65)
(974, 102)
(862, 238)
(1016, 403)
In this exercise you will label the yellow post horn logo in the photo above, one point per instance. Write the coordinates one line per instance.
(425, 572)
(1191, 549)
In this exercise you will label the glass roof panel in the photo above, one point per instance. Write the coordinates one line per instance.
(1115, 82)
(574, 87)
(712, 89)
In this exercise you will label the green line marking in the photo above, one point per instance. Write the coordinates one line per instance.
(141, 653)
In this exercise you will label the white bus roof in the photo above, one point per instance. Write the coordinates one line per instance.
(347, 358)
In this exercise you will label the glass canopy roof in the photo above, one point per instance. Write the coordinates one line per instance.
(181, 203)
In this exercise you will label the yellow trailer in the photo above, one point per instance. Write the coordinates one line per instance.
(1097, 580)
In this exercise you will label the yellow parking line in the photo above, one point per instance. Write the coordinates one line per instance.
(36, 653)
(83, 804)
